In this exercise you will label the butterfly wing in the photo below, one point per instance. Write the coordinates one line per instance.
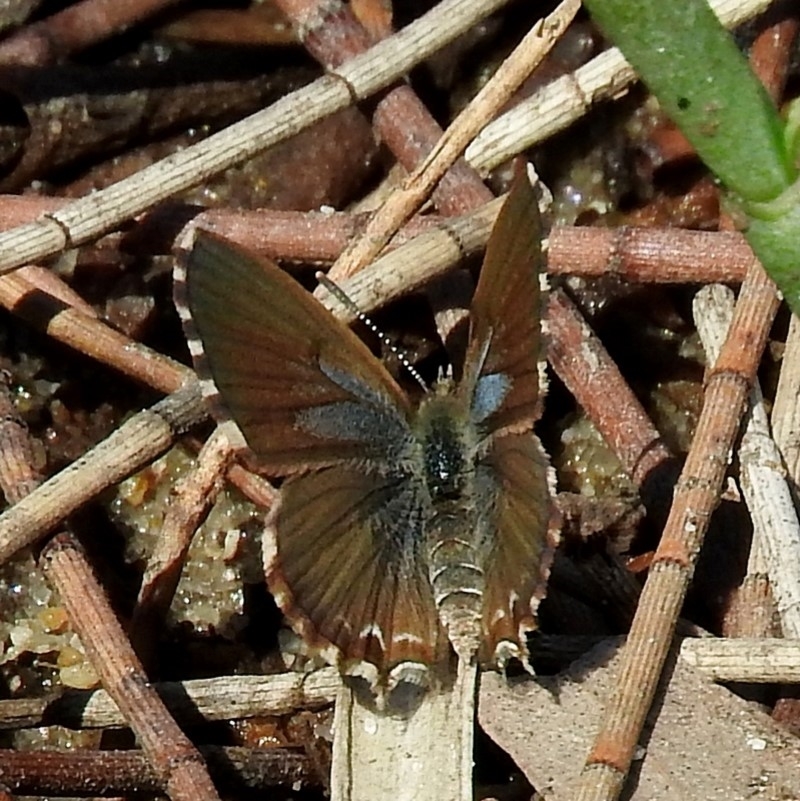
(342, 558)
(302, 388)
(518, 520)
(501, 373)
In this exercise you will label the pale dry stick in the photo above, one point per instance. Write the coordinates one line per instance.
(138, 441)
(82, 24)
(565, 100)
(40, 298)
(776, 530)
(417, 187)
(177, 762)
(355, 80)
(757, 660)
(425, 756)
(696, 496)
(220, 698)
(786, 411)
(402, 270)
(745, 659)
(750, 611)
(192, 498)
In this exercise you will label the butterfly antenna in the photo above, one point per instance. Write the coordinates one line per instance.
(349, 304)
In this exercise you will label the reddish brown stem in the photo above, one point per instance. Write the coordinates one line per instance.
(333, 35)
(636, 254)
(100, 773)
(177, 763)
(601, 390)
(82, 24)
(696, 496)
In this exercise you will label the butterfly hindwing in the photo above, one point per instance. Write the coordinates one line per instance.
(343, 559)
(521, 521)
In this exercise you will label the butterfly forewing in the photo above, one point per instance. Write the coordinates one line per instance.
(302, 388)
(501, 373)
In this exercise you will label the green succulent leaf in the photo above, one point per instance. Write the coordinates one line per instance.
(704, 83)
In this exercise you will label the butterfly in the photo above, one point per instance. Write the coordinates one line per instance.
(404, 530)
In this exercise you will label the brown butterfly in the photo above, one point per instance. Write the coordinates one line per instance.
(403, 529)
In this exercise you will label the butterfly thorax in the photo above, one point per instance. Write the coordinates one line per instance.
(448, 440)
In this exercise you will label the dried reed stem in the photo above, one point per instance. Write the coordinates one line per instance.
(144, 437)
(593, 379)
(636, 254)
(106, 773)
(696, 496)
(176, 761)
(357, 79)
(776, 530)
(786, 411)
(763, 661)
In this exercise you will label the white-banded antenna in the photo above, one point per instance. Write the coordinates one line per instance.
(348, 303)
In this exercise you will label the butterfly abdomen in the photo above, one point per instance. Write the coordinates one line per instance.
(455, 565)
(457, 577)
